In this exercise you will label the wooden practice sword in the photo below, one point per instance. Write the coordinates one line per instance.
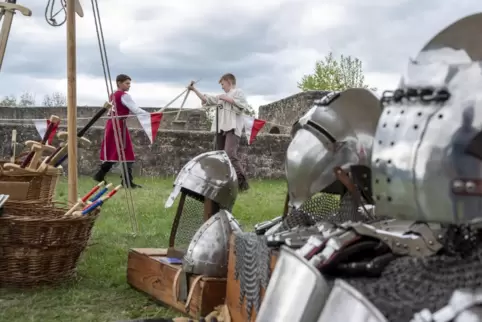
(54, 122)
(8, 9)
(60, 155)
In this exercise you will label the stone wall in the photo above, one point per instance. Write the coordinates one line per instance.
(195, 120)
(170, 151)
(176, 142)
(288, 110)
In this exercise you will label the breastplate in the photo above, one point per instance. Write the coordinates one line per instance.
(345, 303)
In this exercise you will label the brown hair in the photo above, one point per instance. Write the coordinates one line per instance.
(228, 77)
(121, 78)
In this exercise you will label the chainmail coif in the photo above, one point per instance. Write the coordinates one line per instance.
(408, 285)
(252, 268)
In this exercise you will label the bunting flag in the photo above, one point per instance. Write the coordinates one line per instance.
(252, 126)
(150, 122)
(42, 125)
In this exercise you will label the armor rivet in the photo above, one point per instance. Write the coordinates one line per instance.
(385, 239)
(458, 185)
(377, 160)
(398, 244)
(405, 246)
(415, 127)
(440, 116)
(389, 199)
(417, 248)
(380, 142)
(392, 143)
(389, 180)
(366, 188)
(364, 175)
(430, 242)
(389, 161)
(397, 125)
(470, 186)
(377, 181)
(419, 114)
(402, 111)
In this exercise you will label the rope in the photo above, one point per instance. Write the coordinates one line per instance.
(50, 15)
(115, 120)
(132, 116)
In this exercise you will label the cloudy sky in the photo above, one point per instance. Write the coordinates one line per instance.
(267, 44)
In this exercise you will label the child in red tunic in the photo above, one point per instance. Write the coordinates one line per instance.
(116, 129)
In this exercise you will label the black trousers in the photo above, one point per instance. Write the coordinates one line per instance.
(105, 167)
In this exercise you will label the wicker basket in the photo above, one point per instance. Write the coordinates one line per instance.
(38, 245)
(29, 187)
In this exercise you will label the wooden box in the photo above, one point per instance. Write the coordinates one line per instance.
(146, 273)
(237, 312)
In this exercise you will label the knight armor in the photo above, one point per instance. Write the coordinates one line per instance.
(203, 223)
(210, 175)
(207, 253)
(297, 282)
(337, 131)
(426, 174)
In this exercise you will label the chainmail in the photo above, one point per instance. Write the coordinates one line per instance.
(190, 220)
(252, 268)
(314, 210)
(328, 208)
(408, 285)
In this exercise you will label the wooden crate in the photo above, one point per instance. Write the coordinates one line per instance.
(146, 273)
(237, 312)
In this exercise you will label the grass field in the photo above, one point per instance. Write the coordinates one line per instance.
(100, 292)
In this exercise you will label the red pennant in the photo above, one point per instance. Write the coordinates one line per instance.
(54, 131)
(156, 119)
(252, 126)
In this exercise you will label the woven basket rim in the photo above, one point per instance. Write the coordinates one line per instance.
(55, 206)
(49, 171)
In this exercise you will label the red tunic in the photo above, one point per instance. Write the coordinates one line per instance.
(108, 150)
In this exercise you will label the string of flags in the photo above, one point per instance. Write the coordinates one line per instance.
(151, 122)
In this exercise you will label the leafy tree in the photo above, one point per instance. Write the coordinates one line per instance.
(9, 101)
(335, 75)
(55, 99)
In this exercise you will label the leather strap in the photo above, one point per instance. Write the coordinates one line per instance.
(175, 285)
(191, 291)
(343, 177)
(175, 288)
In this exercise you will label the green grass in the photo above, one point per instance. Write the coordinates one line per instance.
(100, 291)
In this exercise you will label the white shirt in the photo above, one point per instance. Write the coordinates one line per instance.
(229, 115)
(128, 102)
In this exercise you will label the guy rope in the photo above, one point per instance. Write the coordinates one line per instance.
(115, 120)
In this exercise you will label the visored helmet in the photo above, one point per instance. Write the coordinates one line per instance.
(337, 131)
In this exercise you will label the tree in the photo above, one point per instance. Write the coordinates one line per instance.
(26, 100)
(333, 75)
(9, 101)
(55, 99)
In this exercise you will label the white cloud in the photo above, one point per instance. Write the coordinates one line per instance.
(164, 37)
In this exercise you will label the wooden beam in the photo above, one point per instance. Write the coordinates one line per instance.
(72, 101)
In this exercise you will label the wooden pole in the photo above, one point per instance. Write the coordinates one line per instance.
(72, 102)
